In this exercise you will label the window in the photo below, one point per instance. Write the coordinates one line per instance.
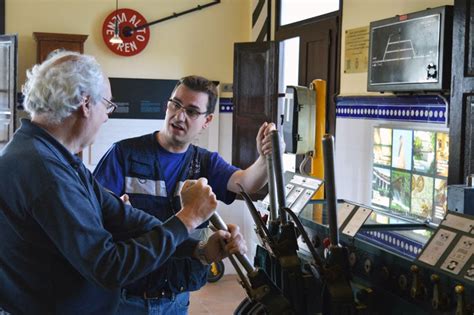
(292, 11)
(289, 62)
(410, 170)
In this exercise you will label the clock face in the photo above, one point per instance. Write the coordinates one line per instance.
(133, 41)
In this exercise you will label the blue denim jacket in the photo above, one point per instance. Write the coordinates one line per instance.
(67, 245)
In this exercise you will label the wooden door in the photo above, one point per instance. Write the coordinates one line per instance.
(461, 112)
(255, 96)
(2, 17)
(319, 57)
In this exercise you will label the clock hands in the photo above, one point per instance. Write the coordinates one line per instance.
(128, 31)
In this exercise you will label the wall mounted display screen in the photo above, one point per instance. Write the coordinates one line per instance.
(411, 45)
(411, 52)
(141, 98)
(410, 170)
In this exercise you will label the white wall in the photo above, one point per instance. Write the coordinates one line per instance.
(197, 43)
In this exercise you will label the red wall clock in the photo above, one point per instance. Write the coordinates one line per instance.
(133, 41)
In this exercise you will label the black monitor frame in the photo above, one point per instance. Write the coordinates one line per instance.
(403, 66)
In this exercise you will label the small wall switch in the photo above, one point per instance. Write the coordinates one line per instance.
(227, 87)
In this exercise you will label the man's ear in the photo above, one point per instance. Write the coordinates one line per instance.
(85, 107)
(208, 121)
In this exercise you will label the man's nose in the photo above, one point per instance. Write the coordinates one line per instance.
(181, 113)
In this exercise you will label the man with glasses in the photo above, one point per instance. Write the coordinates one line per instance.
(150, 169)
(67, 245)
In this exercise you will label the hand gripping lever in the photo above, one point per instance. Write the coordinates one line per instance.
(257, 284)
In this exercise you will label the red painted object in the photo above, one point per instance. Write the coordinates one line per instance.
(134, 42)
(326, 242)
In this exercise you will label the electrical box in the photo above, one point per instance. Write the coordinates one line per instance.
(299, 119)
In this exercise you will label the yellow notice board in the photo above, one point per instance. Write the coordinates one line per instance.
(356, 50)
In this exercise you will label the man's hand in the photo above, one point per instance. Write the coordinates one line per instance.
(264, 141)
(254, 177)
(223, 243)
(125, 199)
(198, 203)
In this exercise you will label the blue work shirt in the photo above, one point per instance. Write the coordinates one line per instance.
(67, 245)
(152, 176)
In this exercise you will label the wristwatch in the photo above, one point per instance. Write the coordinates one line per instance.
(200, 253)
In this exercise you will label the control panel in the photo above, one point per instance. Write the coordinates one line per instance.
(400, 266)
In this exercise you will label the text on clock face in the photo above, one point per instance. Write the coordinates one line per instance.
(122, 18)
(126, 21)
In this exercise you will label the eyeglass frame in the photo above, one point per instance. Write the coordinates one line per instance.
(111, 106)
(181, 107)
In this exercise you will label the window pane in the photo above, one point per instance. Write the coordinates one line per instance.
(297, 10)
(289, 62)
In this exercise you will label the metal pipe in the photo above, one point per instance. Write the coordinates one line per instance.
(278, 171)
(329, 180)
(217, 221)
(244, 281)
(262, 229)
(172, 16)
(271, 189)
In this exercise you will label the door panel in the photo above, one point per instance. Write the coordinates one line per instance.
(8, 48)
(255, 96)
(470, 40)
(319, 57)
(252, 87)
(316, 51)
(245, 143)
(461, 111)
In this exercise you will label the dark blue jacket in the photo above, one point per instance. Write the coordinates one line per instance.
(66, 244)
(135, 166)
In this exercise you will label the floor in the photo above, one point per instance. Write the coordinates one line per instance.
(219, 298)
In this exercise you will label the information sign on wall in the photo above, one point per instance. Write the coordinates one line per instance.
(356, 50)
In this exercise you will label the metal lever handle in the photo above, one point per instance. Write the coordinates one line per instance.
(460, 304)
(278, 172)
(217, 221)
(330, 183)
(261, 227)
(416, 289)
(272, 189)
(439, 301)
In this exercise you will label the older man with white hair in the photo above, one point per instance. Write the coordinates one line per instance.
(67, 244)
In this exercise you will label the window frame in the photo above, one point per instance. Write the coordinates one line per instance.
(279, 27)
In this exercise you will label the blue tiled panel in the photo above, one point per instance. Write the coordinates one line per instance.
(393, 242)
(226, 105)
(429, 108)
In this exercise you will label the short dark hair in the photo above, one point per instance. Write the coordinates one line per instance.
(201, 84)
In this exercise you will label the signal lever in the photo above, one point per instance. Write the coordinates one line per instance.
(337, 272)
(258, 285)
(261, 228)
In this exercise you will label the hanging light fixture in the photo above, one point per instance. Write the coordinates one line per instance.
(116, 38)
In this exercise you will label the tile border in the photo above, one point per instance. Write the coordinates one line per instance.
(427, 109)
(226, 105)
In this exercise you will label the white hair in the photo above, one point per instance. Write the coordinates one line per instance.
(57, 87)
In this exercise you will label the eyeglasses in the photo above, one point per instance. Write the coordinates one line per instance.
(110, 107)
(190, 112)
